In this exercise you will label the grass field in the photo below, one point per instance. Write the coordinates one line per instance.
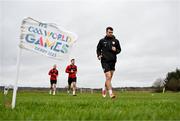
(86, 106)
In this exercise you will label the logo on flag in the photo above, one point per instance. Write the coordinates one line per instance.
(46, 39)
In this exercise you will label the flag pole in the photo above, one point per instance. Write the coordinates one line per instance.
(15, 87)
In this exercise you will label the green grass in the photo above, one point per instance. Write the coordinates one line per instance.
(86, 106)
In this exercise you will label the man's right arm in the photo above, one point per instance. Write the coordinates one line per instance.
(99, 48)
(67, 69)
(49, 72)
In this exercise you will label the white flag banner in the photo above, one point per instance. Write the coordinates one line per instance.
(46, 38)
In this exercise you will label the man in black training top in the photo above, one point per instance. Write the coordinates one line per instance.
(107, 49)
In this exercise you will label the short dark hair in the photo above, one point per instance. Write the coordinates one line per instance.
(109, 28)
(72, 59)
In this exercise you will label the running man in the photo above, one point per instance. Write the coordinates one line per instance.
(72, 70)
(107, 49)
(53, 79)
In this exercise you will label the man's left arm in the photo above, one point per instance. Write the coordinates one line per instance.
(76, 69)
(118, 47)
(57, 73)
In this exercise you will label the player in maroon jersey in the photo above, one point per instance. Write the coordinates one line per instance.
(53, 79)
(72, 70)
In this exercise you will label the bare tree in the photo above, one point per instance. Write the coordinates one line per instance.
(159, 83)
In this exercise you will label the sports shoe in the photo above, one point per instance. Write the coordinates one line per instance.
(54, 92)
(112, 96)
(104, 93)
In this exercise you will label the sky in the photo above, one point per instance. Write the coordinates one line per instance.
(148, 31)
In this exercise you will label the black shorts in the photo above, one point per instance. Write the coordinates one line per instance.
(53, 81)
(108, 66)
(70, 80)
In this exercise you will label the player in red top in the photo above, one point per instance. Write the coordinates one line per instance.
(72, 70)
(53, 79)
